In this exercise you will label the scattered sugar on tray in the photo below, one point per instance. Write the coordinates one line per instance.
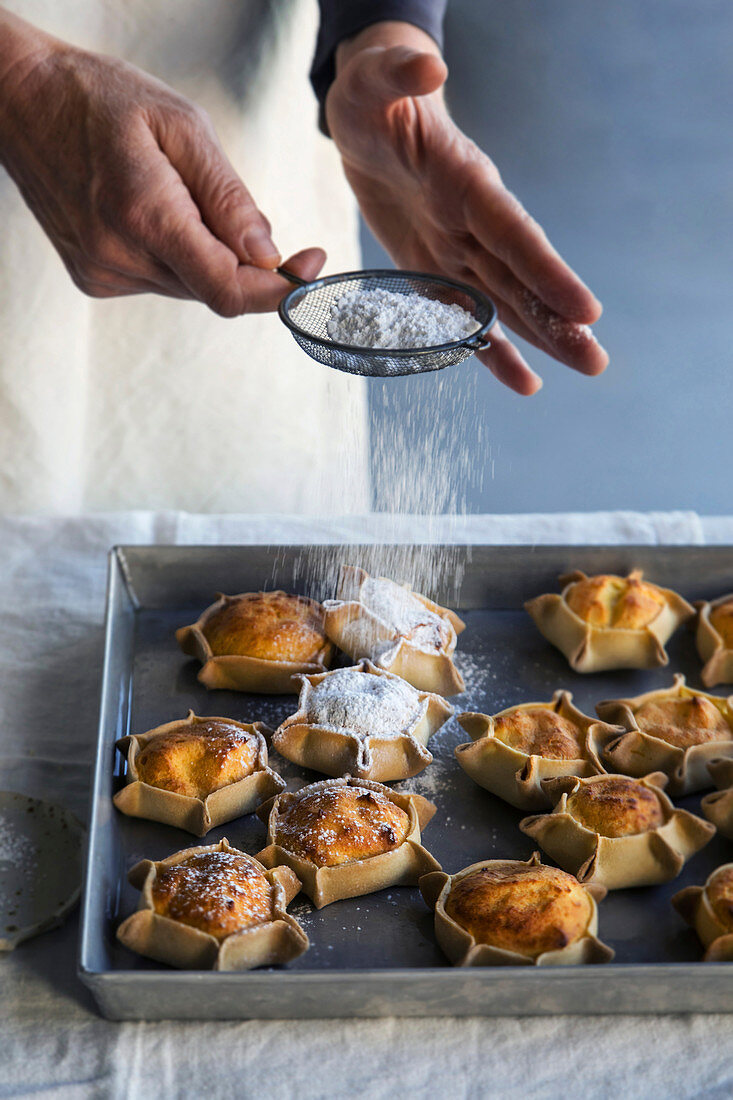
(384, 319)
(364, 704)
(15, 848)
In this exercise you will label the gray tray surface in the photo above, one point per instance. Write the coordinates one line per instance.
(383, 941)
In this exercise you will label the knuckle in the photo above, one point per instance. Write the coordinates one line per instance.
(225, 302)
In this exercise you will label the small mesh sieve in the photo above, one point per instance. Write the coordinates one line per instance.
(307, 309)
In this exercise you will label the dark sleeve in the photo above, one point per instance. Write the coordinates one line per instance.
(342, 18)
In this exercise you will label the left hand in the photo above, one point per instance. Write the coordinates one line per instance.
(437, 203)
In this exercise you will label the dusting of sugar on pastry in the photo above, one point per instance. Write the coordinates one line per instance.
(364, 705)
(403, 613)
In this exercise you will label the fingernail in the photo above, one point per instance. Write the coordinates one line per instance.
(261, 247)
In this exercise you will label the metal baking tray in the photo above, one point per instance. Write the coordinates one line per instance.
(376, 955)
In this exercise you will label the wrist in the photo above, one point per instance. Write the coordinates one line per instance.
(385, 34)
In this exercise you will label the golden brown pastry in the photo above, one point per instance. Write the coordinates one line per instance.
(504, 912)
(363, 722)
(718, 807)
(513, 751)
(709, 910)
(397, 629)
(213, 907)
(196, 773)
(616, 831)
(258, 641)
(714, 637)
(347, 837)
(607, 622)
(674, 730)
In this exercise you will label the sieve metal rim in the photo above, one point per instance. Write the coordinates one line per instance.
(475, 341)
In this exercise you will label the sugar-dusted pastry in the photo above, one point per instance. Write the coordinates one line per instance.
(504, 912)
(346, 837)
(674, 730)
(714, 637)
(513, 751)
(616, 831)
(216, 908)
(607, 622)
(363, 722)
(196, 773)
(718, 806)
(258, 641)
(395, 628)
(709, 910)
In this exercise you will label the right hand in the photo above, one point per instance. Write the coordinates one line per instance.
(130, 183)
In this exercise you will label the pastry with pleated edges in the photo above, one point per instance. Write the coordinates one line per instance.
(197, 773)
(397, 629)
(348, 837)
(718, 806)
(709, 910)
(714, 638)
(362, 722)
(213, 908)
(617, 832)
(258, 641)
(608, 622)
(514, 750)
(506, 912)
(675, 730)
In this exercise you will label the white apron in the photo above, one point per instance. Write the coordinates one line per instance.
(146, 402)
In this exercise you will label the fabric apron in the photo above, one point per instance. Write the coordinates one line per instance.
(146, 402)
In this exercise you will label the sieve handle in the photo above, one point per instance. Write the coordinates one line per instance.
(291, 276)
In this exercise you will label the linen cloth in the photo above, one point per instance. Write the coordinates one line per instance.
(149, 402)
(52, 579)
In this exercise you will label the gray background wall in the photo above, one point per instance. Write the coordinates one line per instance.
(612, 122)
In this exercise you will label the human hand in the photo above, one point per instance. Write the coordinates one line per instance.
(129, 181)
(437, 203)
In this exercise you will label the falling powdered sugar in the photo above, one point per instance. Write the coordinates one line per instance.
(383, 319)
(364, 704)
(403, 613)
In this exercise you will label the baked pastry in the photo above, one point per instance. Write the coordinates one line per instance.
(347, 837)
(709, 910)
(718, 806)
(714, 637)
(514, 750)
(196, 773)
(363, 722)
(674, 730)
(616, 831)
(258, 641)
(395, 628)
(504, 912)
(607, 622)
(216, 908)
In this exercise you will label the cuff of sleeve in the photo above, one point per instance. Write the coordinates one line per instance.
(342, 18)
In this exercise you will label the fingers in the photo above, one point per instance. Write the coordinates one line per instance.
(505, 363)
(571, 343)
(502, 225)
(226, 206)
(380, 75)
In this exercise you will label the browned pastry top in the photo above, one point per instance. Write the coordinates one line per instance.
(340, 824)
(721, 618)
(540, 731)
(720, 895)
(196, 759)
(516, 907)
(618, 602)
(216, 892)
(615, 806)
(683, 722)
(272, 626)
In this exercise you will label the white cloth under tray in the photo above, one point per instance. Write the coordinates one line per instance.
(52, 576)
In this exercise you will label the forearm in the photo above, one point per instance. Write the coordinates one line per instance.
(23, 49)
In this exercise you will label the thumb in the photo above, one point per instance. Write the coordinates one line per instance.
(226, 206)
(387, 74)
